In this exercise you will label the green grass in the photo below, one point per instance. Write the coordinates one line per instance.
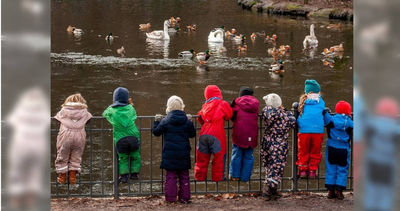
(294, 6)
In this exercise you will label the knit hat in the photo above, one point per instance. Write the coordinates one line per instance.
(387, 106)
(343, 107)
(174, 103)
(120, 97)
(244, 90)
(311, 86)
(273, 100)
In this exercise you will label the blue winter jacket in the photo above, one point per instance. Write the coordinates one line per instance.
(177, 129)
(312, 120)
(340, 130)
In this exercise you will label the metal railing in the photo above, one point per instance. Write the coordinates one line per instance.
(99, 176)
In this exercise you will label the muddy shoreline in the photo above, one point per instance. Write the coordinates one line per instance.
(337, 10)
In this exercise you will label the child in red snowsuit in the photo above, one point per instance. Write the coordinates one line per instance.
(212, 140)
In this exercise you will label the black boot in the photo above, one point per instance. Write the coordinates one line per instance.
(331, 194)
(276, 193)
(124, 178)
(339, 195)
(134, 176)
(267, 194)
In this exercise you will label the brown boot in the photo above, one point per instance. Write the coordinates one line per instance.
(339, 195)
(267, 194)
(331, 194)
(62, 178)
(72, 177)
(276, 193)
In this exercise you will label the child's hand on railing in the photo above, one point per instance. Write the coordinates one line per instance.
(326, 110)
(130, 100)
(189, 116)
(158, 117)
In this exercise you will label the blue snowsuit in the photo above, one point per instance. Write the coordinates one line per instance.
(337, 158)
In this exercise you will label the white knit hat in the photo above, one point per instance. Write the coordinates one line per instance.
(273, 100)
(174, 103)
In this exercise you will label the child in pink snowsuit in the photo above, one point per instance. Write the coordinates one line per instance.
(71, 137)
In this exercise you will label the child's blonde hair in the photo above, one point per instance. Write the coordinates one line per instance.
(75, 100)
(302, 101)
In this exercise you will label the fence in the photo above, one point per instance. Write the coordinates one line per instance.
(99, 176)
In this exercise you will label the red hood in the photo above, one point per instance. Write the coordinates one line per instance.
(212, 91)
(248, 103)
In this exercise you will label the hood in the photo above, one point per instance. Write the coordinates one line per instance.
(341, 121)
(212, 91)
(177, 117)
(312, 101)
(73, 116)
(120, 97)
(244, 90)
(248, 103)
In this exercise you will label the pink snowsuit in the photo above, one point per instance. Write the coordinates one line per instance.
(71, 137)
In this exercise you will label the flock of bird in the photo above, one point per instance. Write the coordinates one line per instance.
(218, 35)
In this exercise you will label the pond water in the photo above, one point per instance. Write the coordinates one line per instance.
(152, 70)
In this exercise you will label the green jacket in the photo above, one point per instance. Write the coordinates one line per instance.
(122, 118)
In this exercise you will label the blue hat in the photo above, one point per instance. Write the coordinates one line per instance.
(120, 97)
(311, 86)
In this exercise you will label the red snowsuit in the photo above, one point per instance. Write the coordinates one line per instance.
(212, 138)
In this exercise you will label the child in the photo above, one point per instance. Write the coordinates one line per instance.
(122, 116)
(177, 129)
(275, 146)
(244, 135)
(337, 159)
(71, 137)
(212, 140)
(311, 130)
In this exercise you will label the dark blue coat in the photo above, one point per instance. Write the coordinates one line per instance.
(177, 129)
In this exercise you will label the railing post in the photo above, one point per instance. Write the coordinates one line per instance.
(295, 110)
(115, 173)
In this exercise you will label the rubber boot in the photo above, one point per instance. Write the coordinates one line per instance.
(339, 195)
(331, 194)
(62, 178)
(134, 176)
(267, 194)
(72, 177)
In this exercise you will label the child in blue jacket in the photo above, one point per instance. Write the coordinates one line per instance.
(311, 130)
(340, 131)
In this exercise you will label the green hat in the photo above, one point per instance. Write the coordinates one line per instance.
(311, 86)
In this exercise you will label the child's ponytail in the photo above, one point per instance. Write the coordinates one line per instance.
(303, 99)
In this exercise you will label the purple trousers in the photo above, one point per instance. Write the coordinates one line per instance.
(171, 187)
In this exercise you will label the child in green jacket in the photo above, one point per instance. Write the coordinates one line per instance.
(122, 116)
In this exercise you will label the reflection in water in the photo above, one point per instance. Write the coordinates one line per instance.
(310, 52)
(157, 47)
(202, 68)
(276, 76)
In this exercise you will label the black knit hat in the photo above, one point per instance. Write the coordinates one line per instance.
(244, 90)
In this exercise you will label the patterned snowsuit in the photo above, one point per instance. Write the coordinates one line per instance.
(71, 138)
(212, 140)
(274, 146)
(123, 118)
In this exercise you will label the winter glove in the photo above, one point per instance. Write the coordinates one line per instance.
(326, 110)
(158, 117)
(233, 103)
(189, 116)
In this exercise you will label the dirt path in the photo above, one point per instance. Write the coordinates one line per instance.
(298, 201)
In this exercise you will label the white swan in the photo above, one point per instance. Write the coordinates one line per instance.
(311, 40)
(159, 34)
(216, 35)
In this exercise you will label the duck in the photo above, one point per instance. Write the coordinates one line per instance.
(187, 54)
(328, 52)
(74, 30)
(192, 27)
(216, 35)
(253, 36)
(310, 41)
(278, 67)
(239, 38)
(160, 34)
(144, 26)
(174, 30)
(328, 63)
(273, 51)
(338, 48)
(109, 37)
(121, 51)
(334, 26)
(203, 56)
(242, 48)
(284, 48)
